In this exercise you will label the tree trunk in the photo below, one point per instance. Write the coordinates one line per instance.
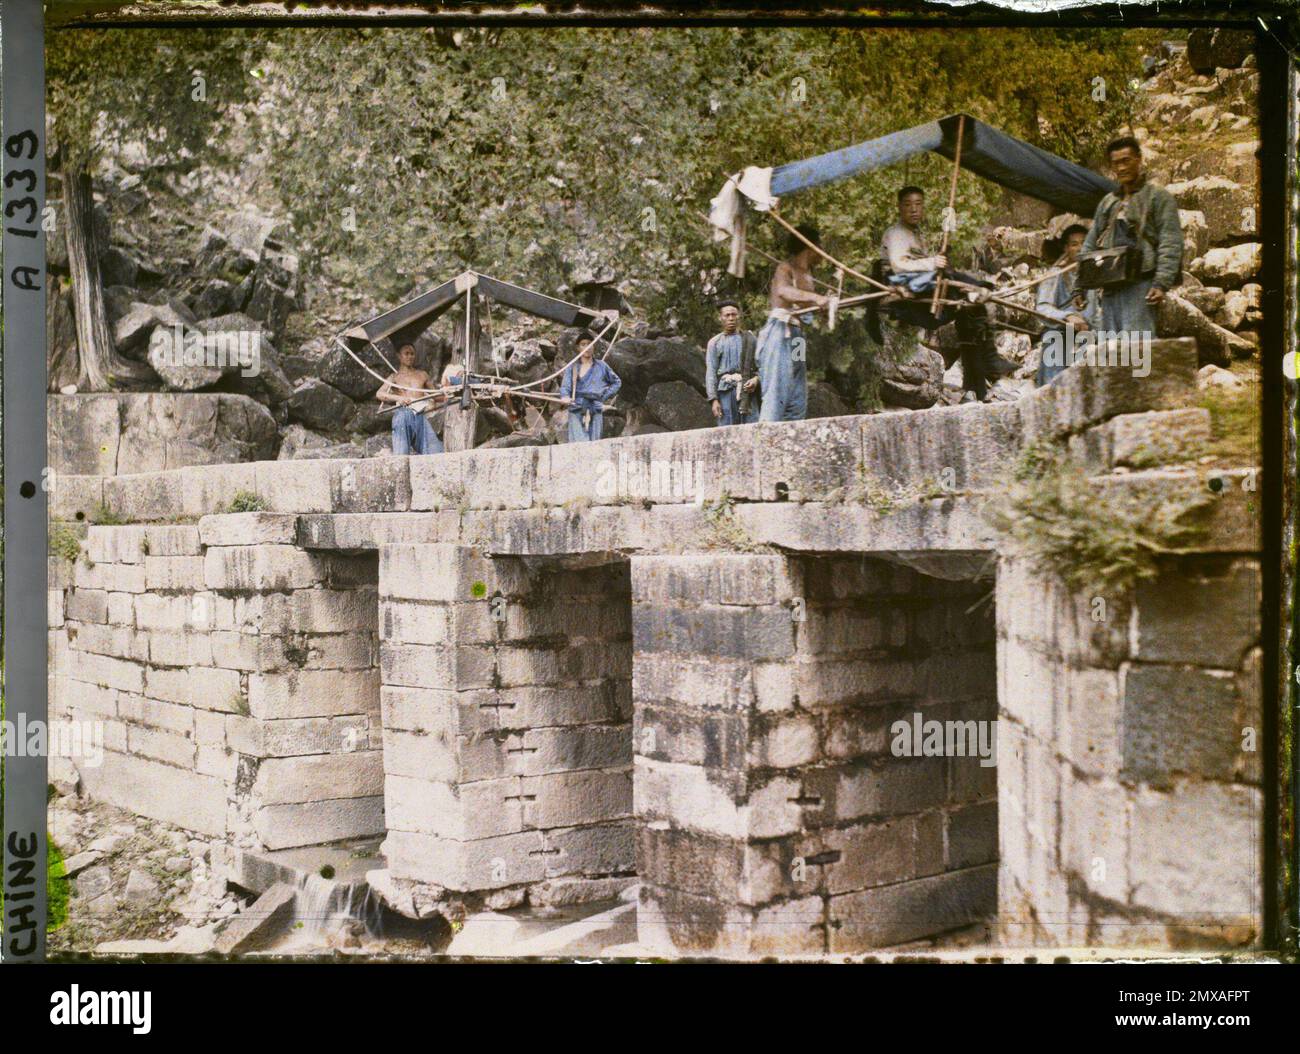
(99, 367)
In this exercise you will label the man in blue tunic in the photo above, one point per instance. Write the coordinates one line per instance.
(587, 386)
(782, 348)
(729, 377)
(1058, 298)
(1143, 215)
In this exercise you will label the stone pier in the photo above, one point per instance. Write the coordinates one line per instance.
(773, 816)
(507, 720)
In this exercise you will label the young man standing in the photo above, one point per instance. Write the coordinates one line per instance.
(412, 433)
(1145, 216)
(729, 377)
(587, 386)
(1058, 298)
(781, 353)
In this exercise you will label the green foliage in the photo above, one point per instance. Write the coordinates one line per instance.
(1097, 540)
(540, 155)
(107, 87)
(106, 516)
(246, 501)
(65, 541)
(1234, 422)
(724, 531)
(57, 888)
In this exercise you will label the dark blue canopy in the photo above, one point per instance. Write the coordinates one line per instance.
(1001, 158)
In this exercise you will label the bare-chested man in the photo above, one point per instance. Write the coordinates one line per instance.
(412, 433)
(781, 353)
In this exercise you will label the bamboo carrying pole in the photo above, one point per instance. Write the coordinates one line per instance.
(464, 394)
(824, 254)
(952, 210)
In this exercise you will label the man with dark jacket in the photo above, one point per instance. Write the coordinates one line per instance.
(730, 380)
(1144, 215)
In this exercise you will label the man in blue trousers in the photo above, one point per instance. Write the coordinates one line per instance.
(412, 433)
(588, 385)
(730, 382)
(782, 353)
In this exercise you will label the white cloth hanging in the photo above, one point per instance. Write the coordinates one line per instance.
(753, 186)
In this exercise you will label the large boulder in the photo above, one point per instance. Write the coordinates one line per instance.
(344, 372)
(320, 406)
(824, 401)
(274, 288)
(119, 267)
(296, 367)
(1212, 376)
(1237, 162)
(913, 383)
(1208, 299)
(525, 361)
(218, 258)
(1180, 318)
(118, 300)
(1019, 245)
(119, 433)
(316, 350)
(1233, 313)
(182, 357)
(1230, 209)
(368, 420)
(1196, 233)
(641, 363)
(678, 407)
(295, 440)
(264, 380)
(1232, 266)
(214, 298)
(131, 332)
(1169, 108)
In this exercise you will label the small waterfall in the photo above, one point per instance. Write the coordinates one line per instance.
(323, 908)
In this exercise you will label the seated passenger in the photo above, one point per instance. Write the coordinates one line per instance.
(587, 386)
(909, 266)
(412, 433)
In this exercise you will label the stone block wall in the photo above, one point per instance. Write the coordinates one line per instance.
(776, 816)
(507, 720)
(235, 676)
(1129, 773)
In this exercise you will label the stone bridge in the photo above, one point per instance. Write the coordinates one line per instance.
(684, 658)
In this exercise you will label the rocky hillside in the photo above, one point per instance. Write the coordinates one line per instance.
(193, 249)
